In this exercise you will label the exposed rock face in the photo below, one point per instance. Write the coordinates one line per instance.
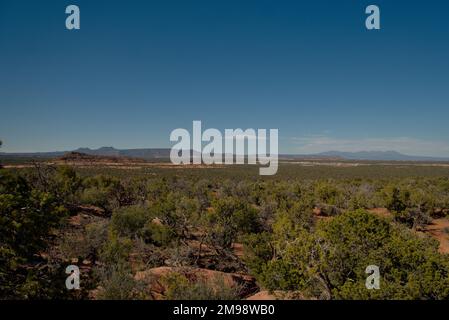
(263, 295)
(153, 278)
(277, 295)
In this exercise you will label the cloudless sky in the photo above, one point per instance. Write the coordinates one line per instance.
(139, 69)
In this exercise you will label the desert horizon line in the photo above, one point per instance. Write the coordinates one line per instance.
(329, 152)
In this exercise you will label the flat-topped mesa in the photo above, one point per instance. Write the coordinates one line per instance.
(75, 156)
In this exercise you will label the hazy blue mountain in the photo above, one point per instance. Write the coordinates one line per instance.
(378, 155)
(164, 153)
(144, 153)
(44, 155)
(103, 151)
(130, 153)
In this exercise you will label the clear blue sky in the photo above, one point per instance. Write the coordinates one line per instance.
(139, 69)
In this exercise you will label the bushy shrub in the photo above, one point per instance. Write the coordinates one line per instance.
(179, 288)
(130, 221)
(117, 283)
(412, 217)
(95, 196)
(65, 185)
(331, 262)
(328, 193)
(26, 221)
(259, 249)
(116, 250)
(230, 217)
(106, 192)
(158, 233)
(396, 199)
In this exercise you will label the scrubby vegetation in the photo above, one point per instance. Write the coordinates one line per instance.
(314, 237)
(331, 261)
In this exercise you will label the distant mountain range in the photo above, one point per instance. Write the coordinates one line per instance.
(379, 155)
(146, 154)
(164, 153)
(130, 153)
